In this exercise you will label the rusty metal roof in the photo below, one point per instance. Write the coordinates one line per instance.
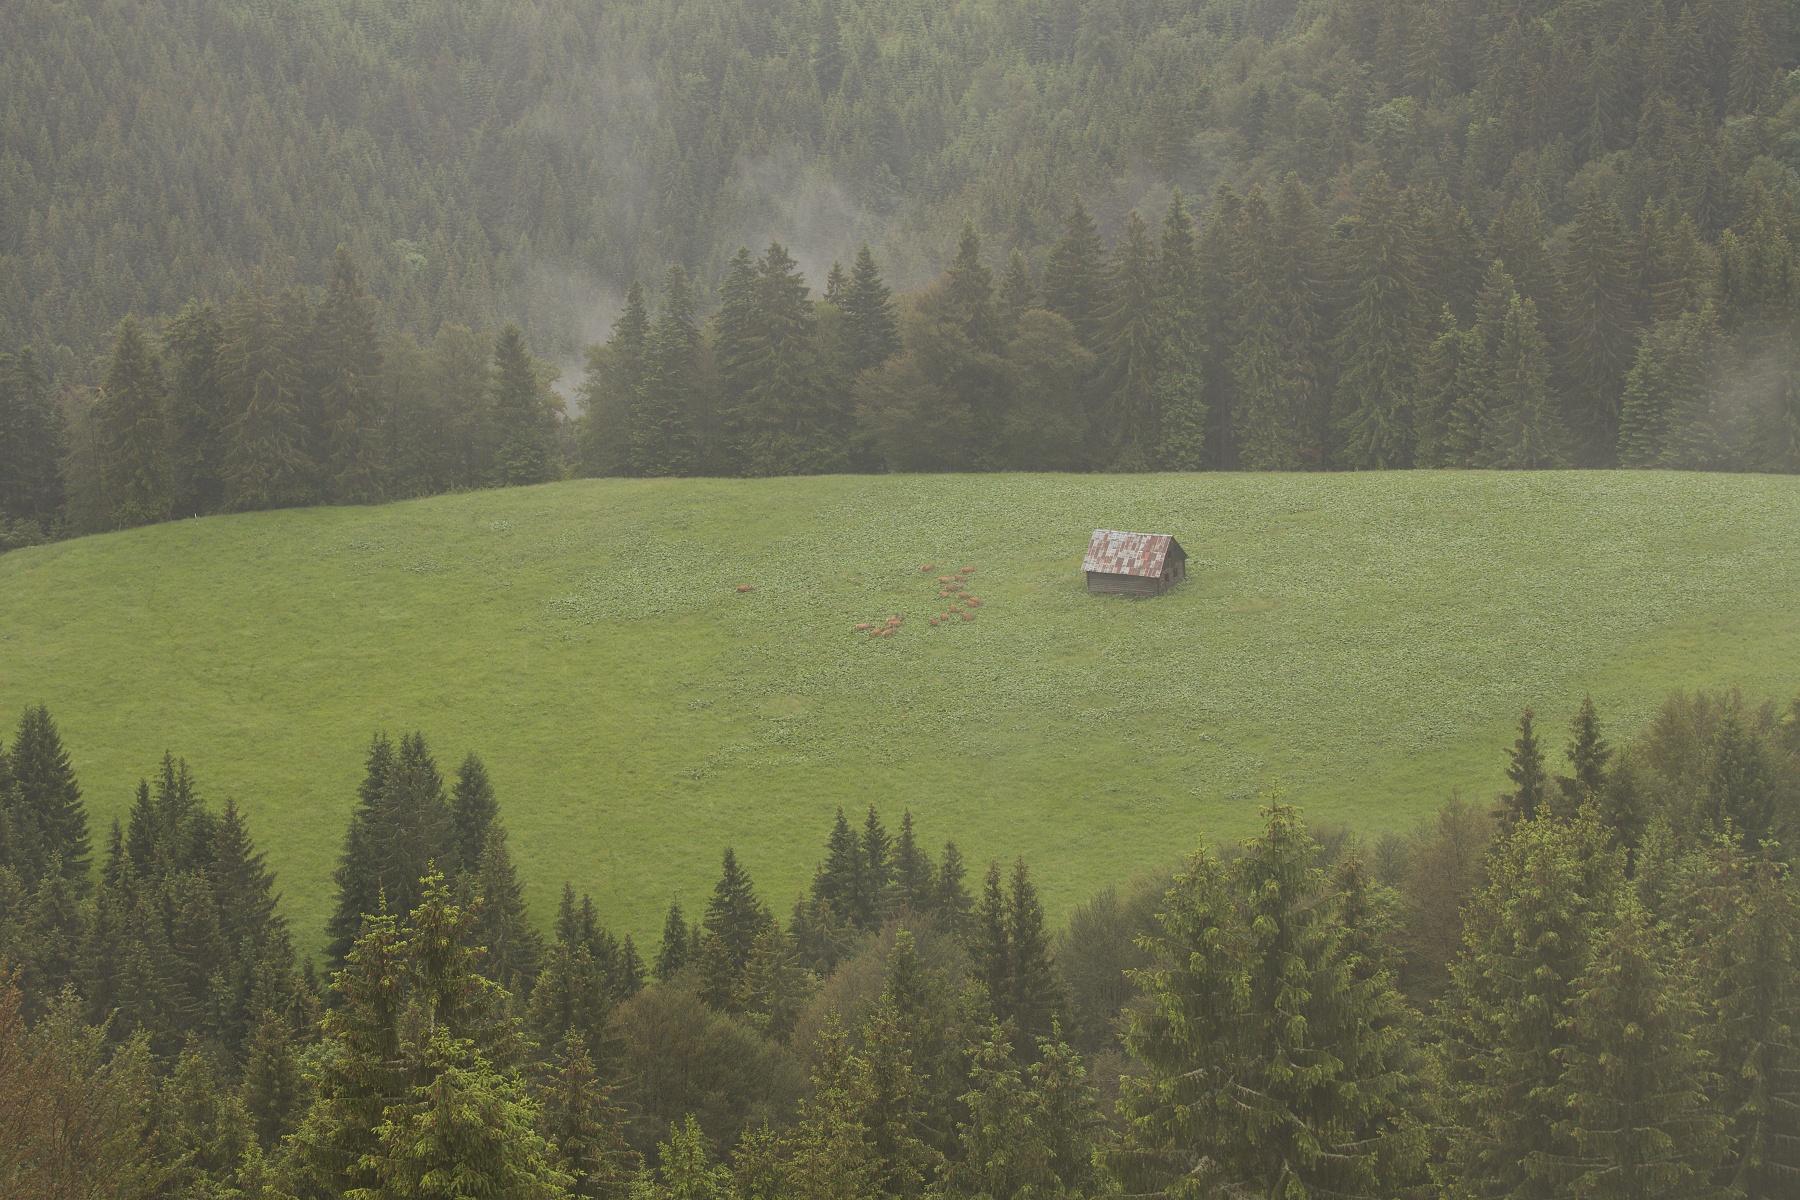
(1114, 553)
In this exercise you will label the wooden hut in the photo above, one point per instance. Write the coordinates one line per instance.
(1133, 564)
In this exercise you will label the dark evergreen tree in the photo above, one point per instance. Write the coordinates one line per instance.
(952, 899)
(512, 948)
(524, 416)
(869, 311)
(613, 387)
(1530, 781)
(198, 412)
(673, 953)
(1588, 754)
(1525, 430)
(272, 1088)
(47, 822)
(875, 851)
(400, 827)
(1127, 348)
(1181, 347)
(1636, 1078)
(345, 352)
(1033, 995)
(662, 426)
(585, 1127)
(1379, 340)
(1074, 280)
(988, 943)
(1601, 332)
(266, 460)
(734, 919)
(784, 419)
(31, 441)
(134, 437)
(915, 880)
(473, 810)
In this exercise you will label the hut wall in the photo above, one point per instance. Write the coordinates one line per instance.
(1124, 585)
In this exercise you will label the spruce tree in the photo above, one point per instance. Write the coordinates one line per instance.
(952, 901)
(512, 947)
(1002, 1152)
(1525, 430)
(399, 828)
(734, 919)
(663, 438)
(1267, 425)
(868, 306)
(197, 407)
(1437, 392)
(839, 880)
(1600, 335)
(1664, 421)
(525, 421)
(914, 879)
(134, 437)
(1530, 781)
(1181, 346)
(585, 1127)
(1016, 293)
(1127, 349)
(988, 945)
(1302, 275)
(31, 441)
(612, 388)
(1074, 282)
(346, 352)
(1588, 754)
(47, 819)
(1635, 1074)
(266, 460)
(784, 420)
(968, 293)
(272, 1090)
(1506, 1030)
(672, 953)
(572, 996)
(1033, 996)
(874, 849)
(473, 810)
(1378, 341)
(1271, 1050)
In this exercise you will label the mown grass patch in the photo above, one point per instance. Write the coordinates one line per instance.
(1366, 639)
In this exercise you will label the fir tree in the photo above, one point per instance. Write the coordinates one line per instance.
(868, 306)
(1524, 430)
(672, 953)
(134, 440)
(839, 880)
(1127, 349)
(572, 996)
(1033, 995)
(585, 1127)
(346, 354)
(968, 294)
(662, 429)
(202, 1130)
(1640, 1117)
(613, 387)
(1601, 331)
(198, 411)
(784, 422)
(48, 823)
(31, 441)
(1180, 353)
(1526, 771)
(1664, 420)
(1002, 1150)
(1074, 283)
(1266, 424)
(734, 919)
(524, 419)
(1377, 344)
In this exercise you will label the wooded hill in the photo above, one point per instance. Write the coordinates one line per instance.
(1414, 234)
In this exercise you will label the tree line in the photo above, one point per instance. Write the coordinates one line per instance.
(1589, 988)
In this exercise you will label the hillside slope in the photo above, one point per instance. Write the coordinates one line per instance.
(1367, 639)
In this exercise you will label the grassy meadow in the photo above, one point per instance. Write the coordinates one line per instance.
(1367, 640)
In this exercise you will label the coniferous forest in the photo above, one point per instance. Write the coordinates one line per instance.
(1588, 984)
(295, 252)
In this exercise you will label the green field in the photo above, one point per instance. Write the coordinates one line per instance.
(1366, 639)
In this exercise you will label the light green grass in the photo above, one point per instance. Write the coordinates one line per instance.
(1368, 639)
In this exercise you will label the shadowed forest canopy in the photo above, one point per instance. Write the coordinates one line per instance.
(527, 159)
